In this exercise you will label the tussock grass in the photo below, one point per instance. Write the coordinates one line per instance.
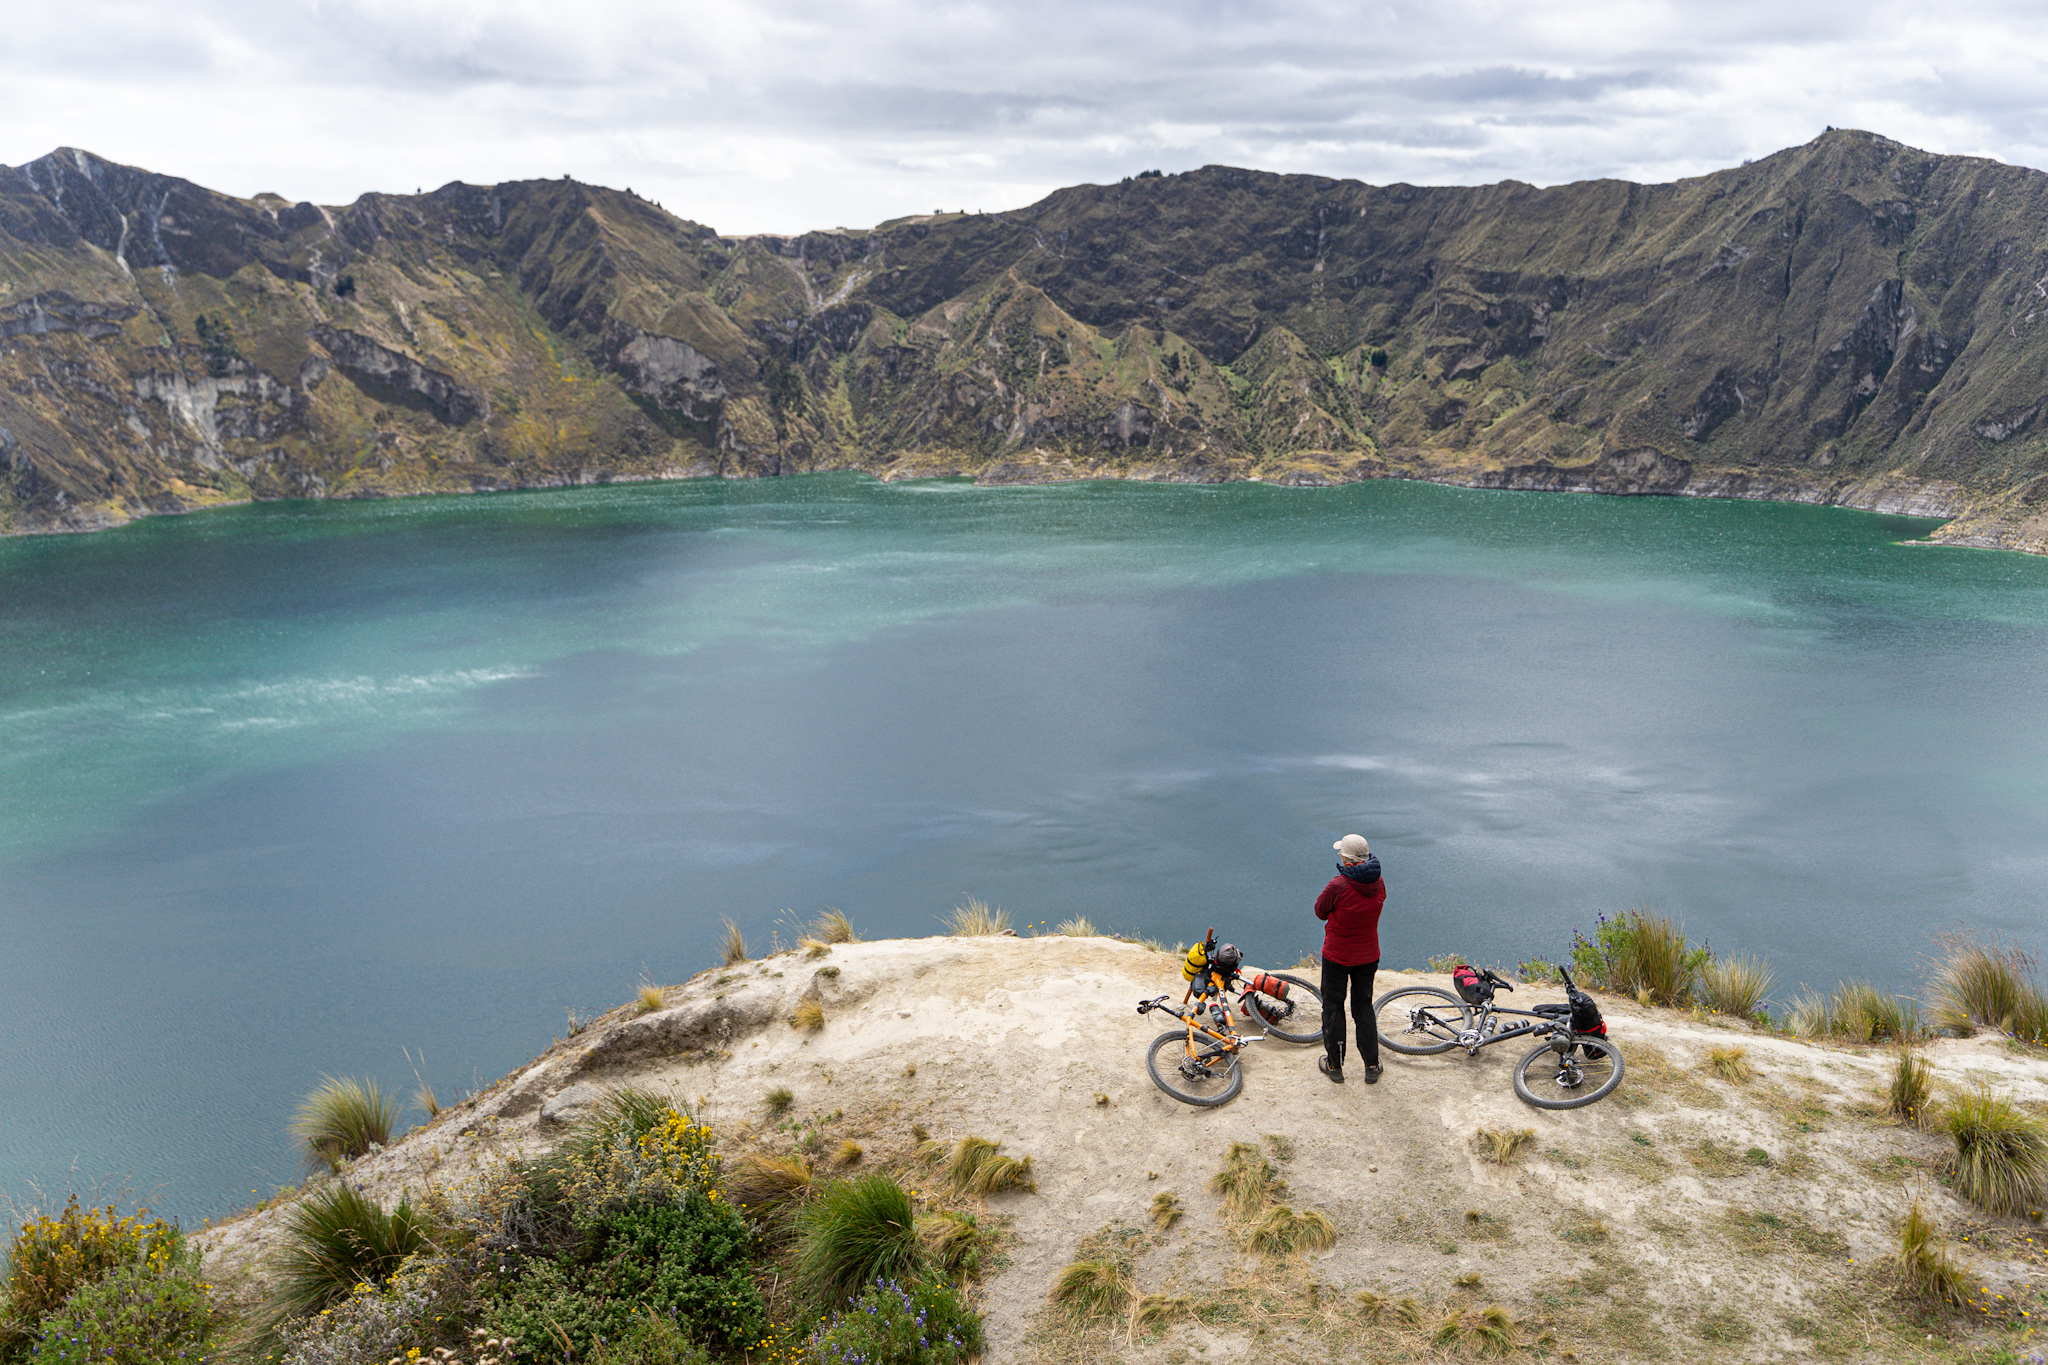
(2001, 1159)
(1735, 985)
(1153, 1309)
(1988, 984)
(337, 1238)
(833, 927)
(1166, 1210)
(848, 1153)
(953, 1243)
(650, 999)
(978, 919)
(342, 1119)
(1928, 1274)
(1078, 927)
(1247, 1182)
(853, 1233)
(1503, 1145)
(1094, 1288)
(732, 944)
(1448, 1329)
(979, 1167)
(1912, 1086)
(1857, 1011)
(1730, 1063)
(1641, 952)
(808, 1018)
(1492, 1333)
(770, 1189)
(779, 1099)
(1282, 1231)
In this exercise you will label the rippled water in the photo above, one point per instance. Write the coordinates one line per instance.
(306, 788)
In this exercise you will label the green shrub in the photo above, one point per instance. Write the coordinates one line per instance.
(342, 1120)
(2001, 1160)
(1639, 952)
(1994, 986)
(927, 1323)
(52, 1257)
(148, 1312)
(685, 1260)
(1735, 985)
(337, 1238)
(1538, 972)
(854, 1233)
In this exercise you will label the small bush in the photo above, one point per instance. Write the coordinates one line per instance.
(1730, 1063)
(1502, 1145)
(2001, 1160)
(952, 1243)
(854, 1233)
(1078, 927)
(343, 1119)
(1443, 963)
(808, 1018)
(1911, 1086)
(1987, 984)
(337, 1238)
(1735, 985)
(833, 927)
(52, 1258)
(977, 919)
(732, 944)
(1281, 1231)
(1928, 1274)
(1539, 972)
(1247, 1182)
(1640, 953)
(148, 1312)
(1094, 1289)
(979, 1167)
(927, 1323)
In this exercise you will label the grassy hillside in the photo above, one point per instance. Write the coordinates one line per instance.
(1849, 321)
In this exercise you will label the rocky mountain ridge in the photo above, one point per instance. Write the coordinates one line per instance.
(1850, 321)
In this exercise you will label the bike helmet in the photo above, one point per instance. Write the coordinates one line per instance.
(1228, 959)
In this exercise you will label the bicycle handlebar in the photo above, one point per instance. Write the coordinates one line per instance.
(1506, 985)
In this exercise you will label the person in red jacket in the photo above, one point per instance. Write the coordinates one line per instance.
(1350, 909)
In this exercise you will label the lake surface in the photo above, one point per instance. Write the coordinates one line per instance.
(370, 788)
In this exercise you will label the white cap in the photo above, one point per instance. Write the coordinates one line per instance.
(1354, 847)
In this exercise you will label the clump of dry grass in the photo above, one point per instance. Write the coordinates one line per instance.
(1492, 1333)
(771, 1190)
(848, 1153)
(1078, 927)
(1988, 984)
(1582, 1228)
(650, 999)
(1911, 1087)
(953, 1242)
(733, 946)
(1282, 1231)
(979, 1167)
(1094, 1289)
(1247, 1182)
(1166, 1210)
(1928, 1274)
(1730, 1063)
(1735, 985)
(779, 1099)
(833, 927)
(978, 919)
(1502, 1146)
(1857, 1011)
(2001, 1160)
(809, 1017)
(1153, 1309)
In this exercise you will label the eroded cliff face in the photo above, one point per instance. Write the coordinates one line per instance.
(1849, 321)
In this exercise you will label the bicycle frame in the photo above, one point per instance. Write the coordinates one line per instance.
(1485, 1031)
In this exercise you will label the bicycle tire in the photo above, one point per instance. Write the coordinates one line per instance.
(1184, 1088)
(1396, 1024)
(1305, 1024)
(1598, 1072)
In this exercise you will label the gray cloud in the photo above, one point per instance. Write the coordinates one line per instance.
(784, 114)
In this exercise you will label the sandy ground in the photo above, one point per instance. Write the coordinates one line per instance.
(1631, 1229)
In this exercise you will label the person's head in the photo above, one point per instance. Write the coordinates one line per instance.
(1353, 849)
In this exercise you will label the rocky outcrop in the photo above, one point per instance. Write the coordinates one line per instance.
(392, 377)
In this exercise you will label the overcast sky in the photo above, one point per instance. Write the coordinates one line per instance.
(779, 115)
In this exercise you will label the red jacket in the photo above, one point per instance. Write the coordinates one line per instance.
(1351, 905)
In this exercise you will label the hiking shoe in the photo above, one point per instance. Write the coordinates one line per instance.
(1372, 1074)
(1335, 1073)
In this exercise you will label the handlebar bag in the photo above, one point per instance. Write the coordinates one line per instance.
(1473, 988)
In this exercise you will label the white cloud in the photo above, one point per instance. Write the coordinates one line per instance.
(789, 114)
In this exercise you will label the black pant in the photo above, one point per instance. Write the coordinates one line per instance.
(1358, 981)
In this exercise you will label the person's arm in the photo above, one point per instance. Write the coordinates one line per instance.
(1326, 902)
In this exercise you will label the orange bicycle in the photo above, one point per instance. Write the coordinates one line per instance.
(1198, 1063)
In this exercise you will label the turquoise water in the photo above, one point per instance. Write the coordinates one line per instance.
(304, 788)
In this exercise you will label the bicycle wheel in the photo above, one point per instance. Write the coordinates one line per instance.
(1589, 1072)
(1205, 1083)
(1420, 1020)
(1301, 1024)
